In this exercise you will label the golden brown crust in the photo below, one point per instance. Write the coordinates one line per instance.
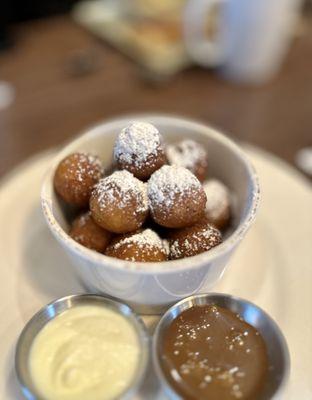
(139, 149)
(200, 170)
(191, 155)
(119, 203)
(86, 232)
(176, 197)
(184, 212)
(144, 171)
(143, 246)
(75, 178)
(196, 239)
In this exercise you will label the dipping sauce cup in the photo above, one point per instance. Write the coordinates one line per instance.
(176, 380)
(82, 346)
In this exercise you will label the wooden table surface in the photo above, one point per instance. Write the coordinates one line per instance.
(52, 103)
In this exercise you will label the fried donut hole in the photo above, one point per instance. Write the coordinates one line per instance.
(139, 149)
(196, 239)
(86, 232)
(76, 176)
(218, 206)
(189, 154)
(176, 197)
(143, 245)
(119, 202)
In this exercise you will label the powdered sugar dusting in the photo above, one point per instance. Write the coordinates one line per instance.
(144, 245)
(218, 198)
(201, 239)
(146, 238)
(83, 219)
(123, 187)
(82, 165)
(136, 143)
(187, 154)
(166, 246)
(169, 182)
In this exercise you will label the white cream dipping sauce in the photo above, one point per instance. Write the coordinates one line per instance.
(88, 352)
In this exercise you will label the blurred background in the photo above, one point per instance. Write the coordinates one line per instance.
(242, 66)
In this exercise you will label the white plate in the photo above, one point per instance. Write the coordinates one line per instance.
(272, 267)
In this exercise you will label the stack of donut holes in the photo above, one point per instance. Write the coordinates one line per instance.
(155, 205)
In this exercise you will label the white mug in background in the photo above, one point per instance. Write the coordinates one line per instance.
(251, 40)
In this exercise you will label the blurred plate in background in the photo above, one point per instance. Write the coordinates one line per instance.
(153, 41)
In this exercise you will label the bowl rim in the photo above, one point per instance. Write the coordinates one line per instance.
(151, 267)
(53, 309)
(208, 298)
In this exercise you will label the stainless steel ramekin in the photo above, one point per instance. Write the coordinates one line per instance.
(50, 311)
(278, 354)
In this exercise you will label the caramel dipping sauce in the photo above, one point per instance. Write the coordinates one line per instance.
(208, 352)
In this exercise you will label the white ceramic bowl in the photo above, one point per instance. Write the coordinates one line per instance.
(152, 287)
